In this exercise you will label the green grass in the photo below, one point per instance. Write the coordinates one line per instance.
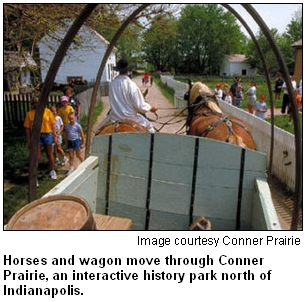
(281, 121)
(167, 91)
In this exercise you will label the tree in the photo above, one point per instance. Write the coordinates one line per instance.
(205, 33)
(159, 42)
(295, 27)
(293, 33)
(254, 59)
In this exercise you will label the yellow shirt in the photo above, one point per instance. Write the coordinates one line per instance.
(63, 112)
(47, 122)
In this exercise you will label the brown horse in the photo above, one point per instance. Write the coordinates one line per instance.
(206, 119)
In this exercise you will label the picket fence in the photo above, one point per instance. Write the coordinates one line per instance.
(15, 106)
(283, 165)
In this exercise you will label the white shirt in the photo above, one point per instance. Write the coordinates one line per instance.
(228, 99)
(127, 101)
(251, 94)
(219, 93)
(285, 86)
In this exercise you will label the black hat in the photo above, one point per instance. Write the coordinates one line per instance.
(123, 66)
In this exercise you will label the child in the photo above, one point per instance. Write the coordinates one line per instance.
(59, 127)
(261, 107)
(228, 97)
(74, 139)
(218, 91)
(65, 109)
(239, 96)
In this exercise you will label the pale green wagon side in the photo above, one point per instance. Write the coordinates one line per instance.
(166, 181)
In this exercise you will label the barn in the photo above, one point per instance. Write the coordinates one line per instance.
(236, 65)
(83, 57)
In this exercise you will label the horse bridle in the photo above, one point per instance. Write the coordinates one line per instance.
(202, 100)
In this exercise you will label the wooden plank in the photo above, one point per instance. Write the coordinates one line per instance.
(172, 173)
(136, 214)
(104, 222)
(168, 221)
(130, 168)
(217, 181)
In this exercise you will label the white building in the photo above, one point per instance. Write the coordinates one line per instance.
(17, 70)
(83, 57)
(236, 65)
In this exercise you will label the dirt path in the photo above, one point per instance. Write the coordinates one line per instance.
(169, 118)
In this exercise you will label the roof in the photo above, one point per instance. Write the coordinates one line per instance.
(64, 27)
(14, 60)
(298, 44)
(236, 58)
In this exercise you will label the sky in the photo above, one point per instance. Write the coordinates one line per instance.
(275, 15)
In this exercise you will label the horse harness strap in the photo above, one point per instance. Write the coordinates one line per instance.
(118, 123)
(222, 119)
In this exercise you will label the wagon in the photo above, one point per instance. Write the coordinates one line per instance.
(167, 181)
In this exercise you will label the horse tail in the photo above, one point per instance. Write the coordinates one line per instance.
(236, 140)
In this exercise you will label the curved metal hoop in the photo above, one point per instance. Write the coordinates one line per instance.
(277, 52)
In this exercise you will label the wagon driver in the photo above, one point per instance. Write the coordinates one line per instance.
(126, 99)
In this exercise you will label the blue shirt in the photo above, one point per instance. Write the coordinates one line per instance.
(73, 131)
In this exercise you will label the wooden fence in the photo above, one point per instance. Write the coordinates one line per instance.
(283, 165)
(15, 106)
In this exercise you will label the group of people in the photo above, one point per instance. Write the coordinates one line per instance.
(234, 95)
(62, 118)
(126, 102)
(281, 86)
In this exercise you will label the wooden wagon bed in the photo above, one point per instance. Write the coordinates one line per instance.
(167, 181)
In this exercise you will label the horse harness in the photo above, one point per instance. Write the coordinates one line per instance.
(116, 125)
(202, 100)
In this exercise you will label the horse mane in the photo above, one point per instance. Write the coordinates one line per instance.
(200, 89)
(214, 107)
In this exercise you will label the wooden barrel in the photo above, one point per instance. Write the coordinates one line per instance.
(57, 212)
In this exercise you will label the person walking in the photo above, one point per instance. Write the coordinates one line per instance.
(65, 109)
(47, 135)
(73, 101)
(59, 127)
(74, 140)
